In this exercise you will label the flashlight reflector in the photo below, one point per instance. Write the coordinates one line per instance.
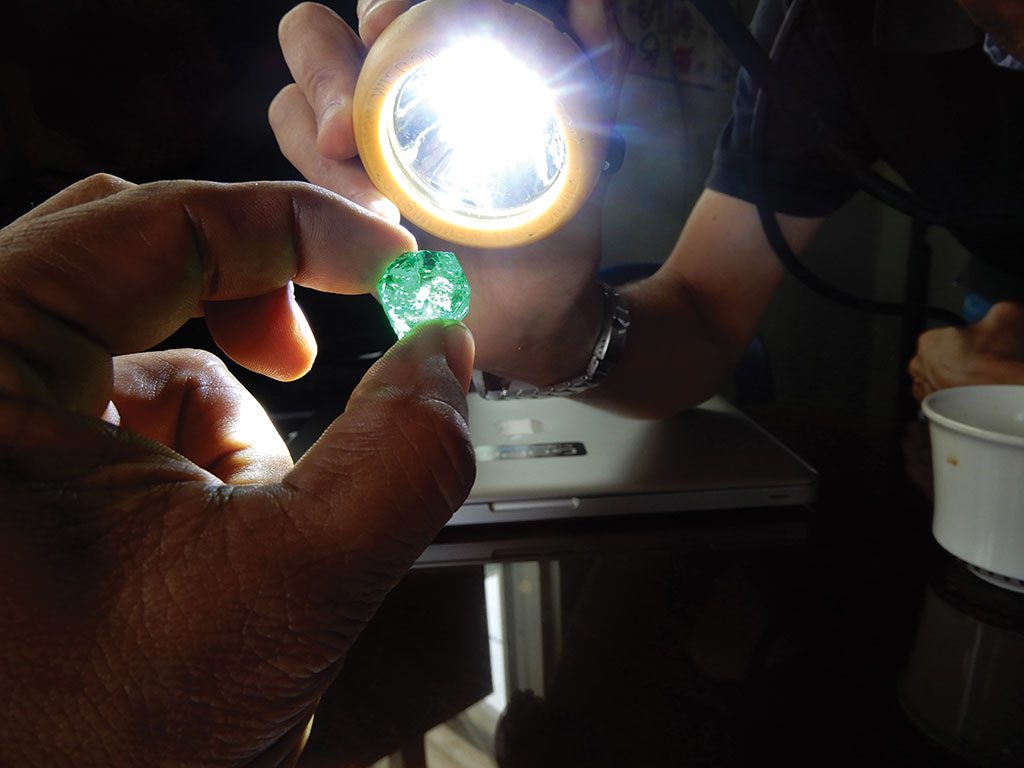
(475, 130)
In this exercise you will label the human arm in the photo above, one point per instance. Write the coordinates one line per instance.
(990, 351)
(692, 319)
(173, 591)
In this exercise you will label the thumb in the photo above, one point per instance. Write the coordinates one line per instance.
(390, 471)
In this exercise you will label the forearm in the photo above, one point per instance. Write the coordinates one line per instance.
(693, 319)
(674, 357)
(689, 323)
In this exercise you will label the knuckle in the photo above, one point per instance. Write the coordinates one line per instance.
(323, 85)
(105, 184)
(436, 425)
(407, 405)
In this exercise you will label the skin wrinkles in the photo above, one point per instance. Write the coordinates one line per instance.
(152, 612)
(432, 417)
(441, 414)
(209, 268)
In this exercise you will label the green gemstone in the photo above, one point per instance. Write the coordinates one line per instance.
(423, 285)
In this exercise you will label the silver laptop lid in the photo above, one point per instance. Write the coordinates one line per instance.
(556, 457)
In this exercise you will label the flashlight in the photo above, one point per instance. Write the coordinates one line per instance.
(481, 121)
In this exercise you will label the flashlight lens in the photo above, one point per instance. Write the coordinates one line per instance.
(475, 131)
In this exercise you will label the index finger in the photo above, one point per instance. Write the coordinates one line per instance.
(324, 57)
(122, 273)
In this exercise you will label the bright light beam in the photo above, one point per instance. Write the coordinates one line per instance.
(476, 131)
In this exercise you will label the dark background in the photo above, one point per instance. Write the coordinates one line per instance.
(146, 90)
(160, 89)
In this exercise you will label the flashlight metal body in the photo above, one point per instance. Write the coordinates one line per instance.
(419, 36)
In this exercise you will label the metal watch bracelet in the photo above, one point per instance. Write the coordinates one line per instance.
(610, 343)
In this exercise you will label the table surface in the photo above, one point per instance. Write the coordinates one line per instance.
(839, 634)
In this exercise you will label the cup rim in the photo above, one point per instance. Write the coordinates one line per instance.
(969, 429)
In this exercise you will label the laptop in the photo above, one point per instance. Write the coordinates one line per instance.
(557, 458)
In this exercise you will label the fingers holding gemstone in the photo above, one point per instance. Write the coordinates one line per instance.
(423, 285)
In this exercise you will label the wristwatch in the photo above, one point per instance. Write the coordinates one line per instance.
(607, 350)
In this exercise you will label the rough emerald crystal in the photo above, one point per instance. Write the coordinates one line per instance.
(423, 285)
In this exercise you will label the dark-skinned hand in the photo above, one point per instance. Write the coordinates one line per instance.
(172, 590)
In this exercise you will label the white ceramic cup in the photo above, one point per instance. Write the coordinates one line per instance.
(977, 437)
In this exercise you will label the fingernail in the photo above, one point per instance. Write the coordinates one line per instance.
(370, 30)
(459, 352)
(364, 9)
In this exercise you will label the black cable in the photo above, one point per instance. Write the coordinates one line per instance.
(764, 72)
(767, 77)
(770, 223)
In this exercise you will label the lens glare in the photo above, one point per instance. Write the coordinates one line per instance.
(475, 131)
